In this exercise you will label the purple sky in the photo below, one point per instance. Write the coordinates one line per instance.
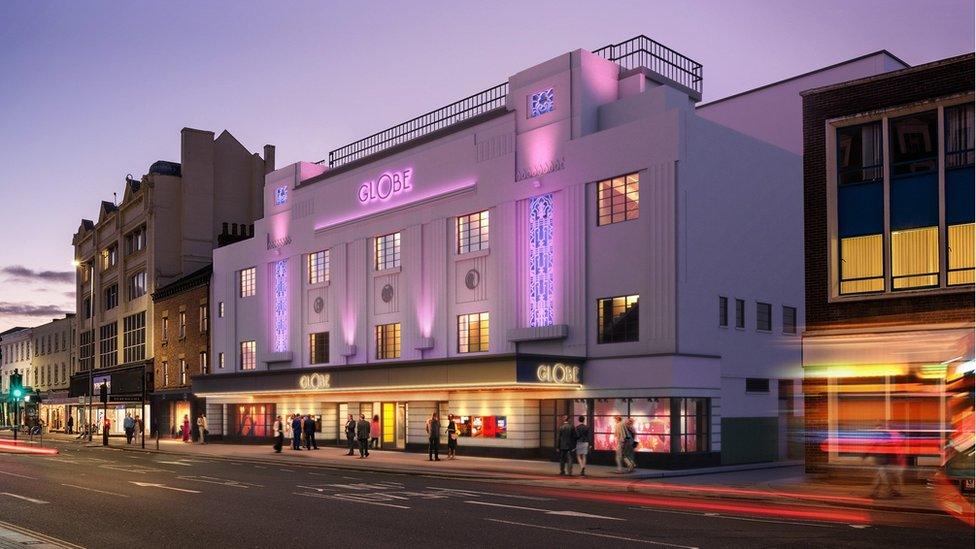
(92, 91)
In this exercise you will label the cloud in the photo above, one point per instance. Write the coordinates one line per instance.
(29, 309)
(19, 273)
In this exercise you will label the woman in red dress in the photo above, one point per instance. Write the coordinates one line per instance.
(186, 428)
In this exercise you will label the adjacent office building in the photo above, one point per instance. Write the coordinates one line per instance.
(165, 227)
(888, 203)
(54, 362)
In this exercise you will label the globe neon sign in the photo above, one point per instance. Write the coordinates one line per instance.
(386, 186)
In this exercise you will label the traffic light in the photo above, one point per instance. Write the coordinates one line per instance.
(16, 385)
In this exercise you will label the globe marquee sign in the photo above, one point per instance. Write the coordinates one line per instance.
(386, 186)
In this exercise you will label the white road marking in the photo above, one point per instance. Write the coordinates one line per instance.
(859, 526)
(349, 499)
(221, 481)
(135, 469)
(25, 498)
(17, 475)
(163, 486)
(585, 533)
(476, 492)
(175, 463)
(95, 490)
(546, 511)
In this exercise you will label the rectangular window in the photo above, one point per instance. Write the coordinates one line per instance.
(135, 241)
(860, 208)
(165, 373)
(111, 297)
(618, 319)
(110, 257)
(134, 337)
(757, 385)
(220, 309)
(318, 267)
(248, 355)
(318, 348)
(723, 311)
(959, 194)
(387, 251)
(472, 232)
(220, 360)
(165, 328)
(204, 319)
(247, 282)
(137, 285)
(182, 372)
(204, 364)
(388, 341)
(182, 324)
(914, 204)
(740, 313)
(618, 199)
(108, 345)
(789, 320)
(86, 351)
(86, 307)
(764, 317)
(473, 333)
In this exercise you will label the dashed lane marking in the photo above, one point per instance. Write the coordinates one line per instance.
(17, 475)
(349, 499)
(95, 490)
(480, 493)
(565, 513)
(594, 534)
(25, 498)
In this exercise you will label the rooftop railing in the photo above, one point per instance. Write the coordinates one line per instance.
(635, 53)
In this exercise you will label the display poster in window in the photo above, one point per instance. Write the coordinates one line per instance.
(482, 426)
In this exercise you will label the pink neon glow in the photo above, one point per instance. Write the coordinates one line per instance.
(349, 318)
(389, 204)
(386, 186)
(426, 305)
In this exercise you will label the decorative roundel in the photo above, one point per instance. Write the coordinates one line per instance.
(387, 293)
(472, 279)
(318, 305)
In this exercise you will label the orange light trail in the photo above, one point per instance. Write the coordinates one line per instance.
(21, 449)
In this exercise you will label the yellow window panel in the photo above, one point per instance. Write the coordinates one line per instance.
(915, 252)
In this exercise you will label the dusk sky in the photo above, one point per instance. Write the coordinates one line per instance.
(93, 91)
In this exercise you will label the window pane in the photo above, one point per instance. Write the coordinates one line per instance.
(961, 260)
(618, 319)
(618, 199)
(861, 264)
(915, 258)
(859, 153)
(914, 143)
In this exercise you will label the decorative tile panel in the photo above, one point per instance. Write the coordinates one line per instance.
(541, 276)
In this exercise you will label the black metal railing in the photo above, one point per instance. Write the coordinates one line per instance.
(641, 51)
(459, 111)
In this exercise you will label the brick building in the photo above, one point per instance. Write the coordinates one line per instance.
(181, 347)
(888, 214)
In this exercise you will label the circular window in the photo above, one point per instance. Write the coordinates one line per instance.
(472, 279)
(387, 293)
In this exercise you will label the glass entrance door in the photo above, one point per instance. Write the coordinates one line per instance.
(388, 425)
(401, 425)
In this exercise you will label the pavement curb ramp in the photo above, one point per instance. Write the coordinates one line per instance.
(509, 476)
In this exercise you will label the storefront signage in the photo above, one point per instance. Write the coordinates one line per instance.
(557, 371)
(314, 382)
(386, 186)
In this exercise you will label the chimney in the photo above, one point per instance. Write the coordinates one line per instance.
(269, 159)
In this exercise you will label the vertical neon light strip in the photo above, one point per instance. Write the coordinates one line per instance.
(280, 310)
(541, 279)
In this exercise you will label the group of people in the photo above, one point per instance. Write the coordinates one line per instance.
(576, 440)
(131, 425)
(433, 428)
(302, 431)
(202, 428)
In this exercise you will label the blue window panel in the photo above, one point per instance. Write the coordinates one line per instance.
(915, 201)
(860, 209)
(960, 196)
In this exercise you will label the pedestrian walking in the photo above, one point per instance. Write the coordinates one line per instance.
(140, 427)
(374, 432)
(186, 428)
(279, 435)
(296, 432)
(452, 437)
(202, 428)
(433, 438)
(308, 428)
(582, 444)
(71, 425)
(631, 447)
(350, 435)
(622, 437)
(879, 453)
(566, 443)
(362, 433)
(129, 425)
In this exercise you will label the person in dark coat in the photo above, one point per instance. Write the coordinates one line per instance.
(362, 433)
(433, 437)
(582, 444)
(308, 427)
(567, 443)
(350, 434)
(296, 432)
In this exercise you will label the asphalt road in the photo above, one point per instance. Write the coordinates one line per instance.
(106, 498)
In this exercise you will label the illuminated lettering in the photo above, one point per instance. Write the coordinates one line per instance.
(386, 186)
(557, 373)
(314, 382)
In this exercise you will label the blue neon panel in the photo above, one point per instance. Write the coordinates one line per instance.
(960, 196)
(915, 201)
(860, 209)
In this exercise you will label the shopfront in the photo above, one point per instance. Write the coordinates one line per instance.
(125, 393)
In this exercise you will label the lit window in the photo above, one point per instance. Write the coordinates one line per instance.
(248, 355)
(764, 317)
(915, 258)
(388, 341)
(473, 333)
(789, 320)
(135, 241)
(472, 232)
(182, 372)
(110, 257)
(860, 208)
(182, 324)
(959, 208)
(204, 365)
(618, 319)
(220, 360)
(387, 251)
(165, 327)
(318, 348)
(165, 373)
(618, 199)
(318, 267)
(204, 318)
(723, 311)
(136, 285)
(247, 281)
(220, 309)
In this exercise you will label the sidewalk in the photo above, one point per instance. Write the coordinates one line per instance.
(778, 483)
